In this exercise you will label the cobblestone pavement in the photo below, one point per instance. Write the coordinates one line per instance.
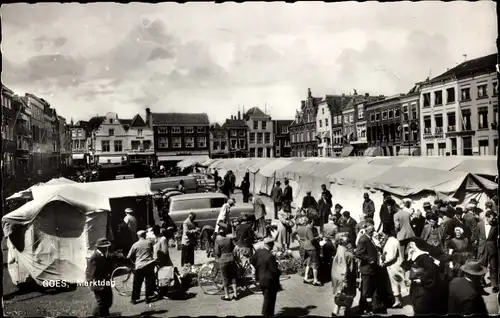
(296, 299)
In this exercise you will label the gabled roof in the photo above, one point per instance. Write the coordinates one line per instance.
(137, 121)
(180, 119)
(337, 103)
(94, 123)
(7, 90)
(215, 126)
(282, 123)
(235, 123)
(480, 65)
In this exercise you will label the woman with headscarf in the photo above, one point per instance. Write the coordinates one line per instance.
(392, 258)
(459, 249)
(245, 187)
(285, 227)
(426, 287)
(344, 274)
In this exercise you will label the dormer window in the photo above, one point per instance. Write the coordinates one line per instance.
(139, 132)
(111, 132)
(111, 120)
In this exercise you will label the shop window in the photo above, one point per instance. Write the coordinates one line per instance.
(483, 147)
(429, 149)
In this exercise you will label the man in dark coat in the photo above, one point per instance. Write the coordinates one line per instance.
(350, 224)
(309, 201)
(367, 253)
(268, 275)
(368, 206)
(465, 292)
(327, 194)
(276, 195)
(287, 194)
(470, 220)
(387, 216)
(98, 275)
(487, 246)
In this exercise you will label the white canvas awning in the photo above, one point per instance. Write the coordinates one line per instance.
(78, 156)
(117, 159)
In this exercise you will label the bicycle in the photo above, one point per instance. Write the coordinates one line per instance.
(166, 277)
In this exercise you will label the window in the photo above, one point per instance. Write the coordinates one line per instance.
(111, 120)
(176, 130)
(326, 122)
(438, 98)
(292, 137)
(430, 150)
(351, 118)
(482, 113)
(267, 138)
(323, 110)
(495, 88)
(377, 116)
(139, 132)
(163, 142)
(360, 112)
(495, 113)
(372, 117)
(406, 133)
(390, 114)
(339, 119)
(427, 125)
(259, 138)
(242, 143)
(189, 142)
(346, 119)
(118, 146)
(136, 144)
(162, 130)
(396, 113)
(255, 125)
(243, 133)
(234, 133)
(466, 121)
(414, 135)
(73, 133)
(189, 130)
(202, 142)
(451, 122)
(438, 119)
(176, 142)
(450, 95)
(495, 144)
(465, 94)
(111, 132)
(320, 123)
(414, 112)
(268, 152)
(223, 145)
(302, 139)
(264, 125)
(252, 137)
(105, 146)
(453, 146)
(201, 130)
(80, 133)
(384, 115)
(483, 147)
(482, 91)
(260, 152)
(441, 149)
(467, 146)
(427, 99)
(233, 143)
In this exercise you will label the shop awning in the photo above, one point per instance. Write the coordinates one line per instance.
(78, 156)
(373, 152)
(347, 150)
(110, 159)
(199, 158)
(414, 151)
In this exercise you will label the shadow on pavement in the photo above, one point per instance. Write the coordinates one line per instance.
(149, 313)
(29, 288)
(180, 296)
(295, 311)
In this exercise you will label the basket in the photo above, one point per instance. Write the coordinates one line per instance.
(343, 300)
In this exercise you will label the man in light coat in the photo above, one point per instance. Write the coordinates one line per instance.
(224, 215)
(402, 222)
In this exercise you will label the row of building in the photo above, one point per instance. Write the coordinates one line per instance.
(455, 113)
(35, 139)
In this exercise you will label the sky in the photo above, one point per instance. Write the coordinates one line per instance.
(90, 59)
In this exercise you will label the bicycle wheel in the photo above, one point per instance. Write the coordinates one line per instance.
(249, 281)
(123, 278)
(210, 279)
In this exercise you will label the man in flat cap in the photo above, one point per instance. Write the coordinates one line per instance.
(368, 206)
(141, 254)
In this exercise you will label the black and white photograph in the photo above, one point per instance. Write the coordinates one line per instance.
(250, 159)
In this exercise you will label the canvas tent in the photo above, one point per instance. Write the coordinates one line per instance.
(51, 237)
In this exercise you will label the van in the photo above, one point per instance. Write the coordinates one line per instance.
(206, 206)
(190, 183)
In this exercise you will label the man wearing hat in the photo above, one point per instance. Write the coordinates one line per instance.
(437, 205)
(131, 222)
(465, 292)
(338, 212)
(141, 253)
(309, 201)
(276, 195)
(267, 274)
(402, 222)
(387, 216)
(487, 246)
(427, 209)
(287, 194)
(368, 206)
(469, 220)
(98, 273)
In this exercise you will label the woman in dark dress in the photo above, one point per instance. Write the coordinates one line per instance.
(459, 249)
(427, 288)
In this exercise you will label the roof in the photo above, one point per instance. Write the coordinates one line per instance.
(234, 123)
(205, 195)
(337, 103)
(137, 121)
(125, 122)
(282, 123)
(180, 119)
(94, 123)
(255, 111)
(215, 126)
(7, 90)
(480, 65)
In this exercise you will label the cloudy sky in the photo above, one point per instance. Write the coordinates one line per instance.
(88, 59)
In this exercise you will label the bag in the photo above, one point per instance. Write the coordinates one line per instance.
(343, 300)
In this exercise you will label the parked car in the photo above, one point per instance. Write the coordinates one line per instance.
(190, 183)
(206, 206)
(205, 180)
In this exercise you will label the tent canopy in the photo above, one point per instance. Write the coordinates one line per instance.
(194, 160)
(61, 180)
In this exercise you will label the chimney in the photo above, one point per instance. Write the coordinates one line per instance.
(367, 95)
(303, 103)
(239, 115)
(343, 94)
(148, 117)
(309, 95)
